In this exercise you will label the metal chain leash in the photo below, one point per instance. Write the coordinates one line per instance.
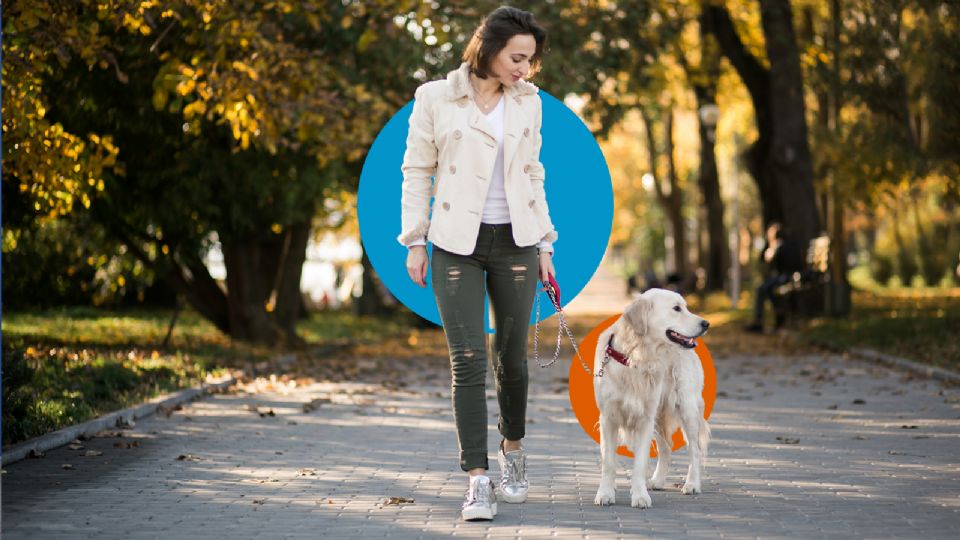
(563, 328)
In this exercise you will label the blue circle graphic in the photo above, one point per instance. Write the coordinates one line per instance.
(579, 196)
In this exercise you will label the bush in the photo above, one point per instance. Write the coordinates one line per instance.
(17, 376)
(881, 268)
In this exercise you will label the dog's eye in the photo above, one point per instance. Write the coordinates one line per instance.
(676, 308)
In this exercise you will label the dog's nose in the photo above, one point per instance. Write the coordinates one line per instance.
(704, 324)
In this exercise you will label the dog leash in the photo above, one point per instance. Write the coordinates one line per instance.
(552, 288)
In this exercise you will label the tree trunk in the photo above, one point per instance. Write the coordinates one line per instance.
(789, 163)
(779, 160)
(247, 296)
(370, 301)
(906, 268)
(674, 205)
(839, 300)
(718, 250)
(289, 298)
(757, 80)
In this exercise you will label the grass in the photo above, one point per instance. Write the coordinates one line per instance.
(922, 328)
(65, 366)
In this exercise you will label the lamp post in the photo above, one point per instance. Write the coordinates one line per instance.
(710, 271)
(735, 222)
(709, 115)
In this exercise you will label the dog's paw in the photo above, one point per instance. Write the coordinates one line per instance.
(657, 484)
(691, 488)
(605, 497)
(640, 499)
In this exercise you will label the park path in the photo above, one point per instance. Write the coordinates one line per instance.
(804, 446)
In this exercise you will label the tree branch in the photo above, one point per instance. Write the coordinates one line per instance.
(753, 74)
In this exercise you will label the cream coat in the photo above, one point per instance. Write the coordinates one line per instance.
(450, 141)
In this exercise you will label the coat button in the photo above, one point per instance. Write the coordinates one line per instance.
(526, 132)
(457, 134)
(462, 103)
(446, 206)
(453, 169)
(526, 168)
(532, 202)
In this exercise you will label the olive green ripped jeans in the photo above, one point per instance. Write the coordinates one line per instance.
(510, 274)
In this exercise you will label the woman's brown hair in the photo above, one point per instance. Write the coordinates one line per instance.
(495, 31)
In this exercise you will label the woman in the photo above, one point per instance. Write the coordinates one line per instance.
(477, 133)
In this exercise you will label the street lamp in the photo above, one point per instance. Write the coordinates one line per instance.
(709, 115)
(648, 181)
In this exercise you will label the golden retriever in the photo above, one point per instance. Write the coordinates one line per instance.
(655, 387)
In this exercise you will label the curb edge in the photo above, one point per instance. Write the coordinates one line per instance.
(64, 436)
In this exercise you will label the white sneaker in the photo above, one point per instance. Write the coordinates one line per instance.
(513, 475)
(481, 501)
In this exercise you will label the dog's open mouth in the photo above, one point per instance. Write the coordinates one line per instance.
(682, 340)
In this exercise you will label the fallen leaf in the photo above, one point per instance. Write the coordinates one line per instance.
(908, 427)
(76, 447)
(315, 404)
(859, 401)
(67, 466)
(187, 457)
(833, 407)
(130, 444)
(788, 440)
(268, 413)
(92, 453)
(307, 472)
(398, 500)
(34, 453)
(168, 411)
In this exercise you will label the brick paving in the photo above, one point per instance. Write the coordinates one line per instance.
(816, 446)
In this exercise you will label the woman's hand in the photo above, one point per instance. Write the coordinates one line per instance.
(546, 265)
(417, 261)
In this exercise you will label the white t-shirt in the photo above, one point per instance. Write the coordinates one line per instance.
(495, 209)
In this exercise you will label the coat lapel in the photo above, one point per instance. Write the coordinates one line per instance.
(479, 122)
(513, 124)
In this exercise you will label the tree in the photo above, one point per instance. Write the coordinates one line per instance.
(236, 119)
(780, 159)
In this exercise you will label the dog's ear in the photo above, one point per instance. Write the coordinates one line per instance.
(636, 315)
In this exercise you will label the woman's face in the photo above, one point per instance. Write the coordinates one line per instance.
(513, 61)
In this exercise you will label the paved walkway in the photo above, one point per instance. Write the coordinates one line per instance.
(803, 447)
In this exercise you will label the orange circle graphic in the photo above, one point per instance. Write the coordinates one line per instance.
(585, 405)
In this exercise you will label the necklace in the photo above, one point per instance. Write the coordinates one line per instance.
(484, 105)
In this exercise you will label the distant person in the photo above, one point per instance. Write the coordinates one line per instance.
(777, 271)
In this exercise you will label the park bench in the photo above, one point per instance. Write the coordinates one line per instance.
(803, 293)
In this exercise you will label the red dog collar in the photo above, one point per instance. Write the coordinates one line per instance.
(615, 354)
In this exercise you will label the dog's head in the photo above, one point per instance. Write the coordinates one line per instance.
(659, 313)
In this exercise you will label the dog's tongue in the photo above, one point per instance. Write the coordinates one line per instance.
(682, 339)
